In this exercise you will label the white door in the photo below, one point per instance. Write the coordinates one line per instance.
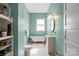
(71, 29)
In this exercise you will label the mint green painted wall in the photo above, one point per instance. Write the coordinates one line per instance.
(58, 9)
(32, 23)
(23, 22)
(14, 14)
(27, 19)
(27, 15)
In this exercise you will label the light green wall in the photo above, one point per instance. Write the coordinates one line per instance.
(57, 8)
(23, 22)
(27, 15)
(14, 14)
(33, 17)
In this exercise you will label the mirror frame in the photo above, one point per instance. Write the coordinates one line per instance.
(52, 18)
(53, 25)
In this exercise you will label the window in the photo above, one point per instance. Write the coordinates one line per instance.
(40, 25)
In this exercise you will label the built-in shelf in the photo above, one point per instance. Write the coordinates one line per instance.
(6, 18)
(6, 37)
(5, 24)
(9, 53)
(3, 47)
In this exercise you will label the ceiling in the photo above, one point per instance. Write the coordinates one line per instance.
(37, 7)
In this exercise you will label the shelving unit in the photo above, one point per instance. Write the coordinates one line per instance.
(8, 54)
(6, 18)
(6, 45)
(3, 47)
(7, 37)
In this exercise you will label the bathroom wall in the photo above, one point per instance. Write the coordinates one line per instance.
(33, 17)
(57, 8)
(27, 18)
(23, 28)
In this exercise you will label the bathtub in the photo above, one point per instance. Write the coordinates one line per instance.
(38, 38)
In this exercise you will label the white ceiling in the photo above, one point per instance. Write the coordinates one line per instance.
(37, 7)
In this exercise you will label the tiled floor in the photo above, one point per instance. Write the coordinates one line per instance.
(37, 49)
